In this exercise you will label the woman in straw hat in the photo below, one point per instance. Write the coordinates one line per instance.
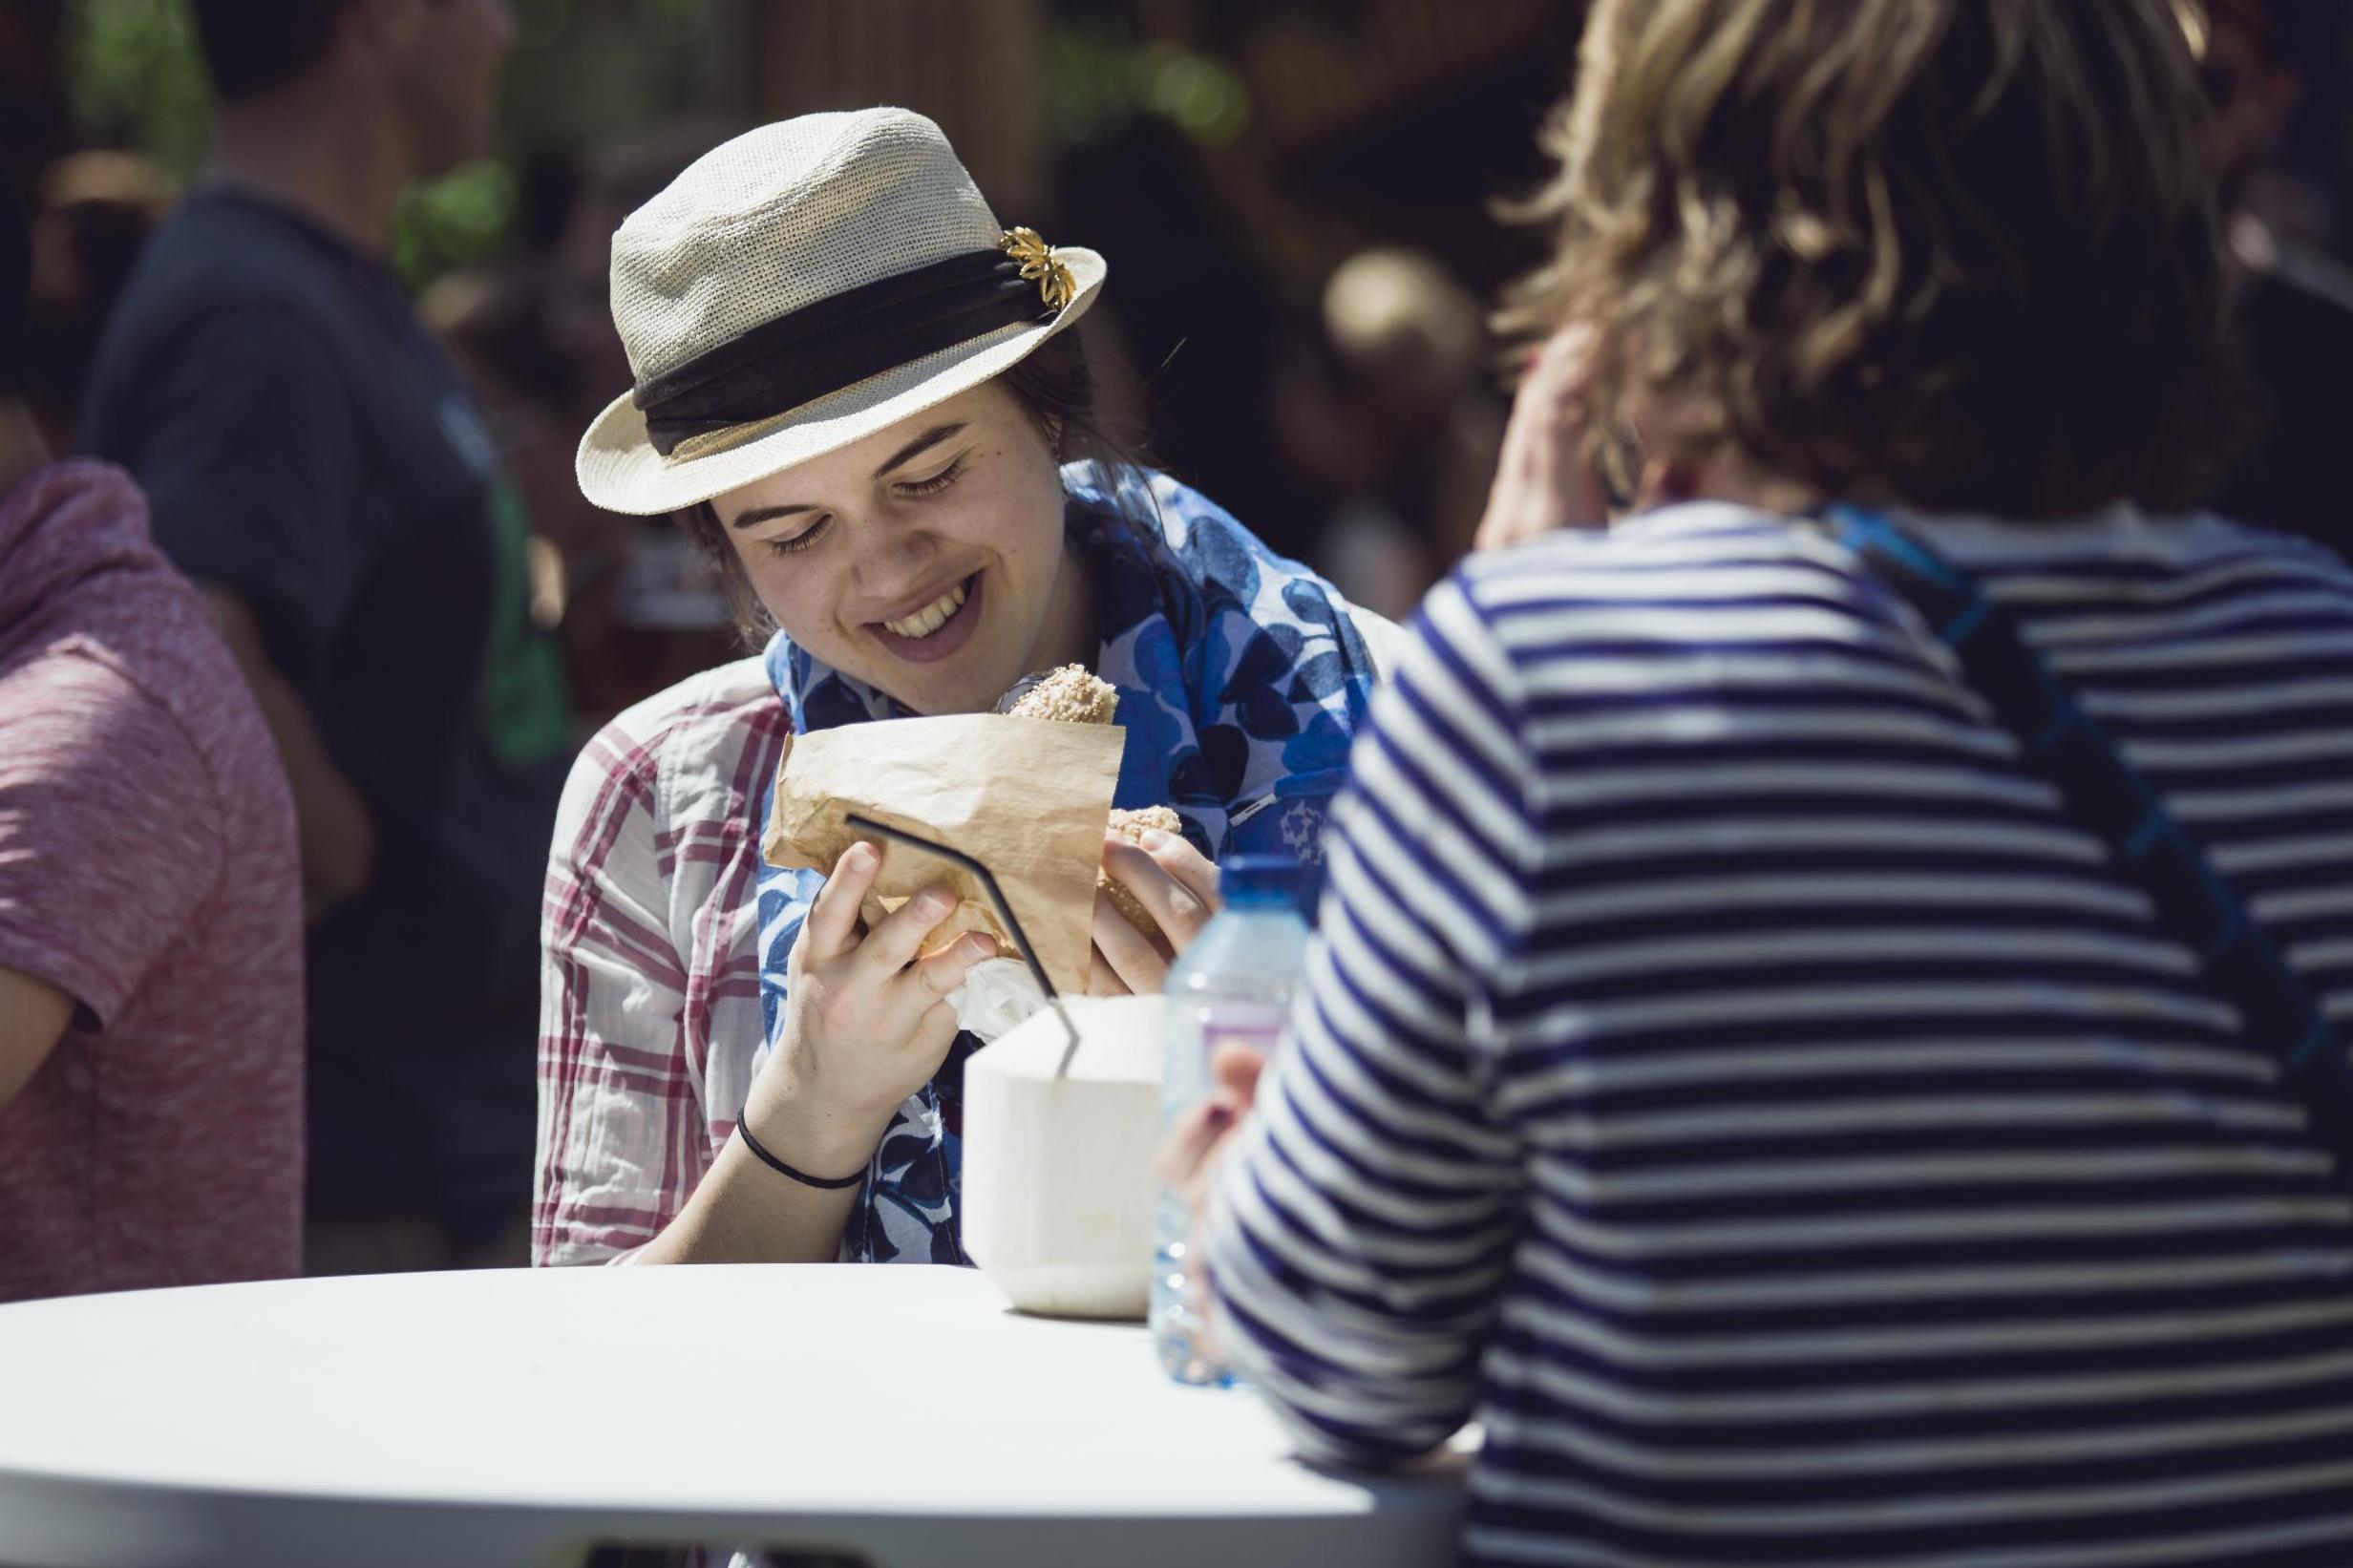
(859, 391)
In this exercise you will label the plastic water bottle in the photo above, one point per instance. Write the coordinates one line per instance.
(1233, 986)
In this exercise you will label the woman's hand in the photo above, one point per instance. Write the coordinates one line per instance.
(1193, 1153)
(866, 1025)
(1545, 478)
(1177, 886)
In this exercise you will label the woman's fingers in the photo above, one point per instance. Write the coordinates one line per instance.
(1193, 1142)
(1544, 478)
(1195, 872)
(913, 1002)
(1178, 909)
(938, 975)
(1235, 1069)
(1102, 979)
(1199, 1136)
(832, 926)
(934, 1032)
(891, 945)
(1139, 966)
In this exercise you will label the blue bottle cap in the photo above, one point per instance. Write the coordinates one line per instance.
(1260, 881)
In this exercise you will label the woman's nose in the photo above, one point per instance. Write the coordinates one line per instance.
(892, 555)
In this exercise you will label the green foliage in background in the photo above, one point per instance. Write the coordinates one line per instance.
(139, 81)
(584, 73)
(1100, 77)
(464, 217)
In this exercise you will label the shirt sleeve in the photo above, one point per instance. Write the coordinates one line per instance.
(249, 442)
(109, 829)
(621, 1138)
(1360, 1233)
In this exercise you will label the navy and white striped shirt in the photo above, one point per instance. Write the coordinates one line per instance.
(1726, 1075)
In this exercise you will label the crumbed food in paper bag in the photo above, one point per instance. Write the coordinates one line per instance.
(1074, 695)
(1026, 798)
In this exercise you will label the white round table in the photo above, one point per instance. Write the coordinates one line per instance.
(515, 1418)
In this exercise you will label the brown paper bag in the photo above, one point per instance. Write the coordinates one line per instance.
(1026, 798)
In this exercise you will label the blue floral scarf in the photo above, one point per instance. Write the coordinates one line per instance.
(1242, 680)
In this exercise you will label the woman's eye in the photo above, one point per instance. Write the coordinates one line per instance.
(801, 541)
(936, 483)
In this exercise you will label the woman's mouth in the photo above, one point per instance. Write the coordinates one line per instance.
(937, 629)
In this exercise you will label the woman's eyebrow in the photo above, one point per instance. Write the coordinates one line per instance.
(767, 514)
(922, 444)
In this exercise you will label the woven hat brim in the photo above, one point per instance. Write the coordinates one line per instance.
(620, 471)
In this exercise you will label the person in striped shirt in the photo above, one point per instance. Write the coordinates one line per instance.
(1727, 1071)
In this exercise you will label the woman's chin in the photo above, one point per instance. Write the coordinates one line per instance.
(962, 685)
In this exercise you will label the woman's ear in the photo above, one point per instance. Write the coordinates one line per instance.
(1719, 474)
(1666, 482)
(1053, 426)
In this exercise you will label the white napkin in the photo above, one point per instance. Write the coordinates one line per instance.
(997, 995)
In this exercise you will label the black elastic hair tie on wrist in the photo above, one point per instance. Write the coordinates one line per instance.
(802, 1177)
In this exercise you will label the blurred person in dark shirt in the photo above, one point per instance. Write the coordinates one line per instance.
(316, 465)
(2295, 299)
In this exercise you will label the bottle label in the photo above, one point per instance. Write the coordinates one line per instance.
(1256, 1026)
(1198, 1033)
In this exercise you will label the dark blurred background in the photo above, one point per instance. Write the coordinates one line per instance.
(1296, 198)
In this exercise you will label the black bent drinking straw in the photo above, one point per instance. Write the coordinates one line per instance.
(1004, 913)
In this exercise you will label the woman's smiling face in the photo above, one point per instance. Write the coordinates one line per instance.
(926, 560)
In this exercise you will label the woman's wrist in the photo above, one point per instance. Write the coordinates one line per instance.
(826, 1141)
(743, 1212)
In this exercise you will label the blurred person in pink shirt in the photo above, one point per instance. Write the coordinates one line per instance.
(151, 1014)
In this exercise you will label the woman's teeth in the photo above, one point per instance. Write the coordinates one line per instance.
(931, 617)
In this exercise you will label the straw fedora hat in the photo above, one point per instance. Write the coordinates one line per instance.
(799, 288)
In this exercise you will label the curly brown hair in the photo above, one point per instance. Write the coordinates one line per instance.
(1951, 254)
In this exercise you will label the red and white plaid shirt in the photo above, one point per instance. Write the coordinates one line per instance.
(649, 1011)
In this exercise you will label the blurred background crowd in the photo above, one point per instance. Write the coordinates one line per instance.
(1299, 197)
(1296, 199)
